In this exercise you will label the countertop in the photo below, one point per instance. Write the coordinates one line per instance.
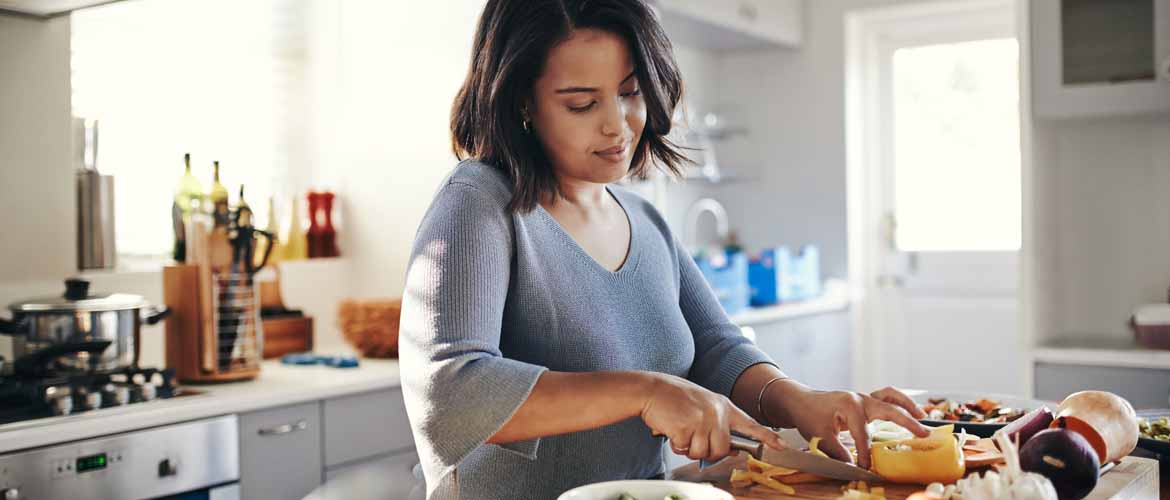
(277, 385)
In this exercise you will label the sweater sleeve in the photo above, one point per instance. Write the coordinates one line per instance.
(459, 389)
(722, 353)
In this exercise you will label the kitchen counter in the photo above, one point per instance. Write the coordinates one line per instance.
(277, 385)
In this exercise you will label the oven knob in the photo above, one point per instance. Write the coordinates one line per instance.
(12, 494)
(166, 468)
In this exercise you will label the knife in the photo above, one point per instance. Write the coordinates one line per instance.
(803, 461)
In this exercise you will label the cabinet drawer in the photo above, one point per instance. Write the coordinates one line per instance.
(1144, 388)
(386, 478)
(280, 452)
(364, 425)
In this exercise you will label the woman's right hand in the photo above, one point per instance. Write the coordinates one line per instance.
(698, 422)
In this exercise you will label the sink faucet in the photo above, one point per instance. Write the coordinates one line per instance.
(697, 209)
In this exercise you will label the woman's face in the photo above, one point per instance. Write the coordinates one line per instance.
(587, 109)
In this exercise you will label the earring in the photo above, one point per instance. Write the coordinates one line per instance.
(525, 120)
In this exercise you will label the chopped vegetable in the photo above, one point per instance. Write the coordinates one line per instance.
(812, 447)
(1027, 426)
(937, 458)
(1066, 458)
(1158, 429)
(801, 477)
(1013, 484)
(746, 478)
(858, 490)
(982, 411)
(1105, 419)
(672, 496)
(768, 469)
(882, 430)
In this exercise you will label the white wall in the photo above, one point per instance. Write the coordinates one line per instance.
(37, 205)
(1103, 224)
(398, 66)
(393, 142)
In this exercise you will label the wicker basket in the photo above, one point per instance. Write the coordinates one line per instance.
(371, 326)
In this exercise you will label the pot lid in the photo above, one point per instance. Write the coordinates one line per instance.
(78, 298)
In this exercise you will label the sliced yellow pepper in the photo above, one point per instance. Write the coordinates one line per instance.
(768, 469)
(745, 478)
(934, 459)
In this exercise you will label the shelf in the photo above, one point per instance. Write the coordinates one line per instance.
(835, 298)
(1122, 353)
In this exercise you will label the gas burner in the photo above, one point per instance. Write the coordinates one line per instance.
(69, 393)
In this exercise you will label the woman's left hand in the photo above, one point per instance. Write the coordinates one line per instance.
(825, 413)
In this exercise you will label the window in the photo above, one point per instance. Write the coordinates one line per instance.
(957, 146)
(220, 79)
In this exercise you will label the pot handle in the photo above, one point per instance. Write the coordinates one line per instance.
(13, 327)
(32, 363)
(154, 314)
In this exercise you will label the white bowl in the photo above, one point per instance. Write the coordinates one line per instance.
(646, 489)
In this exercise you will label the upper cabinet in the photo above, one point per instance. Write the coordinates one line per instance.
(1100, 57)
(733, 24)
(47, 8)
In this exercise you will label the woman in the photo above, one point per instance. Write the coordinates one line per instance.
(554, 332)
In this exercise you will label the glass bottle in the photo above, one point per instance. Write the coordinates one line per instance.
(218, 197)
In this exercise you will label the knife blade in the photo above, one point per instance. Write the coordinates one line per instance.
(803, 461)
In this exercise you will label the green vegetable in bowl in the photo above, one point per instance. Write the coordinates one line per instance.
(673, 496)
(1158, 429)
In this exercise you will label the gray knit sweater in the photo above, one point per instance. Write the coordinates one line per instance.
(494, 298)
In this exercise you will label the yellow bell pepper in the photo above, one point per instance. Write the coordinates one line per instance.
(934, 459)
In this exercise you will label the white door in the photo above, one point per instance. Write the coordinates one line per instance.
(939, 212)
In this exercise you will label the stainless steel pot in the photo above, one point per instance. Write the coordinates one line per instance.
(78, 317)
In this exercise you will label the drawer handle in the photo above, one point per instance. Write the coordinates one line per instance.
(300, 425)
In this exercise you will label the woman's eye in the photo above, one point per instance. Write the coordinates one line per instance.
(582, 109)
(636, 92)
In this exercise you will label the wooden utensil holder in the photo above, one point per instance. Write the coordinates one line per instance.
(209, 308)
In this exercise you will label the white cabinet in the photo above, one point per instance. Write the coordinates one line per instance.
(361, 445)
(733, 24)
(394, 477)
(365, 425)
(1100, 57)
(280, 452)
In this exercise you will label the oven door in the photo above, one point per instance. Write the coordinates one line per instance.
(223, 492)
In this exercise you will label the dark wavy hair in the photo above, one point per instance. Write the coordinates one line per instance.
(510, 47)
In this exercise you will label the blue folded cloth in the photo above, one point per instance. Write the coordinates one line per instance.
(308, 358)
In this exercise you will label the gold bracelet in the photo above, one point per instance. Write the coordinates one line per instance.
(760, 402)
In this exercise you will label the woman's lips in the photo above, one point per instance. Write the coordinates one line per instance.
(614, 154)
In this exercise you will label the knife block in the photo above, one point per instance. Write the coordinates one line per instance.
(214, 332)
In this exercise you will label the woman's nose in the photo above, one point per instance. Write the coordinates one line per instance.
(615, 117)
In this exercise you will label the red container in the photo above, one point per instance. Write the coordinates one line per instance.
(1151, 326)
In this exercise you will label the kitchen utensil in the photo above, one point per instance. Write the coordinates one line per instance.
(95, 208)
(976, 428)
(78, 316)
(214, 335)
(179, 253)
(645, 489)
(803, 461)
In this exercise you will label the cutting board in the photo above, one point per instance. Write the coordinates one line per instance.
(1132, 478)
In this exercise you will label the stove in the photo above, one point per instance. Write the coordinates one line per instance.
(67, 393)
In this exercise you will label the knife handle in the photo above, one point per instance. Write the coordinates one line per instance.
(751, 446)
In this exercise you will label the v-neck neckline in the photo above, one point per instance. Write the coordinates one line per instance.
(627, 266)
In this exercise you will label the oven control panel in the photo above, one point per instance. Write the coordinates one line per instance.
(143, 464)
